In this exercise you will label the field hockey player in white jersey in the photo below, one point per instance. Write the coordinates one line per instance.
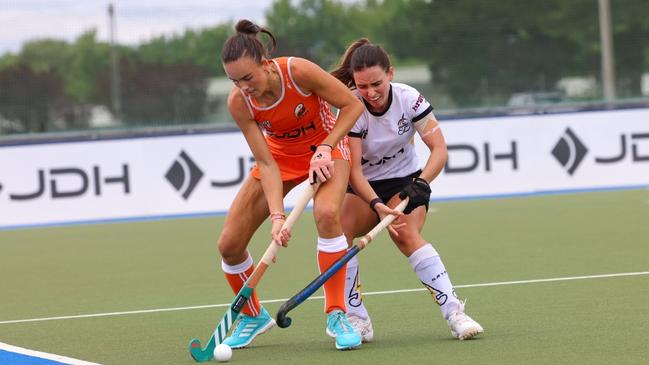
(385, 170)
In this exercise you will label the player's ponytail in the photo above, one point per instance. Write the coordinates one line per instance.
(358, 56)
(344, 71)
(246, 43)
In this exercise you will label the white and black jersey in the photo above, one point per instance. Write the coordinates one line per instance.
(388, 151)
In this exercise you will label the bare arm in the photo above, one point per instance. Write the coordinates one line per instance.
(432, 136)
(271, 180)
(311, 78)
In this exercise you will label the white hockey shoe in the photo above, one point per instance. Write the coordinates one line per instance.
(362, 326)
(462, 326)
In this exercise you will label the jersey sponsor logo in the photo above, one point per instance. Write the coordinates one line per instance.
(403, 124)
(300, 110)
(420, 100)
(383, 159)
(295, 133)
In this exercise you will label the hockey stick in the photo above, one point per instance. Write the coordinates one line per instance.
(282, 320)
(201, 354)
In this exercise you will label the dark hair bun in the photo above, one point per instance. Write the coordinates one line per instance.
(245, 26)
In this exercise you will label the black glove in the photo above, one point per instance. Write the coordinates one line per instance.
(418, 192)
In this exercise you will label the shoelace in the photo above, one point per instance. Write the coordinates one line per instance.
(459, 317)
(348, 326)
(238, 329)
(338, 320)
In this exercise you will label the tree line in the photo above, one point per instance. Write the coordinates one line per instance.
(478, 51)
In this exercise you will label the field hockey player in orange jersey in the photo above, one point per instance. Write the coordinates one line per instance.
(282, 107)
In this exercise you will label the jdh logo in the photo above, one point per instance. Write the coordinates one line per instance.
(479, 157)
(294, 133)
(241, 174)
(569, 151)
(637, 140)
(70, 182)
(184, 175)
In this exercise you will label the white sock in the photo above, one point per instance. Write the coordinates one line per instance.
(430, 270)
(331, 245)
(353, 296)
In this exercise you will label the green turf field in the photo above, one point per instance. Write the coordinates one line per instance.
(161, 265)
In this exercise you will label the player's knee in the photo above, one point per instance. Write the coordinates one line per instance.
(404, 238)
(229, 248)
(326, 214)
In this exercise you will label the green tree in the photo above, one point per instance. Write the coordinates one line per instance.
(46, 55)
(480, 50)
(158, 94)
(78, 64)
(31, 97)
(631, 42)
(88, 58)
(198, 47)
(8, 60)
(316, 29)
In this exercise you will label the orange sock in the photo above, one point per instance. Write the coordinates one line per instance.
(334, 288)
(252, 307)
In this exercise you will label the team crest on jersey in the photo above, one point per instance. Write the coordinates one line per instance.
(300, 110)
(403, 124)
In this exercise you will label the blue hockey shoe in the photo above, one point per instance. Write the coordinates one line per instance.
(248, 328)
(339, 328)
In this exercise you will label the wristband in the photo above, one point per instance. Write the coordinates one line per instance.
(374, 202)
(277, 216)
(325, 144)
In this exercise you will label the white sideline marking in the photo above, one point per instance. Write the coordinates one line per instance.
(44, 355)
(516, 282)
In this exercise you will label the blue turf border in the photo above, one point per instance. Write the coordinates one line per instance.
(14, 358)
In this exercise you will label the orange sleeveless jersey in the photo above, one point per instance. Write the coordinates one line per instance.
(294, 123)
